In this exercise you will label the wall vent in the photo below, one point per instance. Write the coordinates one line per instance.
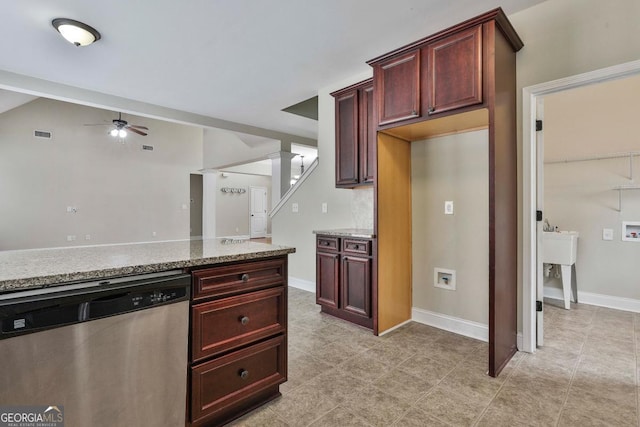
(42, 134)
(147, 147)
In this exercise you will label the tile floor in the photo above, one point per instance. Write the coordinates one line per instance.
(341, 375)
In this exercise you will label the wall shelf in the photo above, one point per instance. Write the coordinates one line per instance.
(620, 189)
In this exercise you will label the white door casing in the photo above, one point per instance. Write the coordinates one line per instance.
(257, 212)
(531, 163)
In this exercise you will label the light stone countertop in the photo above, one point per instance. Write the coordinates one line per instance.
(365, 233)
(23, 269)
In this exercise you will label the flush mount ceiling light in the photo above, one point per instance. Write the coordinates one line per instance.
(76, 32)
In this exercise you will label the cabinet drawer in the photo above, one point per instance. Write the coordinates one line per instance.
(244, 277)
(236, 377)
(328, 244)
(231, 322)
(353, 246)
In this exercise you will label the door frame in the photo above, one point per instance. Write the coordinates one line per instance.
(266, 226)
(530, 163)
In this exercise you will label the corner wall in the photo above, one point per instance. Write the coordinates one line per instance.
(346, 208)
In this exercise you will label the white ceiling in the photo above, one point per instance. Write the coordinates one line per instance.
(237, 60)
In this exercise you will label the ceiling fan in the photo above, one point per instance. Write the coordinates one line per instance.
(121, 127)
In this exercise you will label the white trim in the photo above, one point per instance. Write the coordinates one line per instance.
(608, 301)
(459, 326)
(399, 325)
(293, 189)
(519, 342)
(305, 285)
(238, 237)
(530, 96)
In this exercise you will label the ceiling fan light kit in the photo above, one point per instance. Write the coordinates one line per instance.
(76, 32)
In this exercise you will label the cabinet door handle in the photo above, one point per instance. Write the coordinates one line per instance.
(414, 113)
(356, 247)
(244, 320)
(244, 374)
(245, 277)
(431, 110)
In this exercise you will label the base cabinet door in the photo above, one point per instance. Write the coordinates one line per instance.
(327, 279)
(356, 285)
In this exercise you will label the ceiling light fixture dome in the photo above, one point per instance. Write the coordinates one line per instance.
(75, 32)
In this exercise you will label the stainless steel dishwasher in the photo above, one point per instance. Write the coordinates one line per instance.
(110, 352)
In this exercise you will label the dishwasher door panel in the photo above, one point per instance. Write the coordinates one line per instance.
(124, 370)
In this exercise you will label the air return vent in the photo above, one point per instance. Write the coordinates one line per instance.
(147, 147)
(42, 134)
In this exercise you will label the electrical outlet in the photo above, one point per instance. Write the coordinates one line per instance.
(607, 234)
(324, 207)
(72, 209)
(448, 207)
(294, 207)
(153, 233)
(87, 237)
(71, 237)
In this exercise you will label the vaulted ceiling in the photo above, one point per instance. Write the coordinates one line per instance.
(237, 60)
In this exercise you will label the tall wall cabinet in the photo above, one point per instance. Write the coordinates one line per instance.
(458, 79)
(355, 135)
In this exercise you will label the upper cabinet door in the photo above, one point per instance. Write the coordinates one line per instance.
(368, 138)
(347, 139)
(454, 78)
(397, 83)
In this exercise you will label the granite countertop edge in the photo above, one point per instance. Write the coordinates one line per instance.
(348, 232)
(40, 281)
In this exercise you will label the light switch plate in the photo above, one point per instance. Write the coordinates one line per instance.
(607, 234)
(324, 207)
(448, 207)
(294, 207)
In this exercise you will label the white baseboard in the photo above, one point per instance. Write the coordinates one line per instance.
(305, 285)
(618, 303)
(519, 341)
(238, 237)
(456, 325)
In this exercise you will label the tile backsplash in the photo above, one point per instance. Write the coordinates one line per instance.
(362, 207)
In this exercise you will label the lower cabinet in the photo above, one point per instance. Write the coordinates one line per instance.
(343, 278)
(238, 340)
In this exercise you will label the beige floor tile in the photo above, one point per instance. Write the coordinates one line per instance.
(447, 406)
(538, 405)
(338, 386)
(576, 417)
(261, 417)
(614, 407)
(426, 368)
(340, 417)
(365, 367)
(377, 407)
(473, 384)
(303, 407)
(404, 386)
(495, 417)
(417, 418)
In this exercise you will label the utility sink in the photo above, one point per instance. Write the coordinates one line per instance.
(559, 247)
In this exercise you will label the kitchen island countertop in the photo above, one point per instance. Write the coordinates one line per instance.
(33, 268)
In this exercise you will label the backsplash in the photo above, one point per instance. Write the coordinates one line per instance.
(362, 207)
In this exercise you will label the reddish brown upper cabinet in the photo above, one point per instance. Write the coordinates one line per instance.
(355, 135)
(467, 81)
(397, 82)
(454, 71)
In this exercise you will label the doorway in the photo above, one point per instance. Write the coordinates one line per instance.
(258, 212)
(195, 206)
(533, 321)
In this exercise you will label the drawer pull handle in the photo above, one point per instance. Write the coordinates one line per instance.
(356, 247)
(244, 320)
(244, 374)
(325, 243)
(245, 277)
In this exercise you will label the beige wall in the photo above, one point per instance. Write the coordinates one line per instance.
(346, 208)
(123, 194)
(232, 209)
(452, 168)
(578, 196)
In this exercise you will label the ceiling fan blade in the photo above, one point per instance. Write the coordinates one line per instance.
(97, 124)
(139, 127)
(139, 132)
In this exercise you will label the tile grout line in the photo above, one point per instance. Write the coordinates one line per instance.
(575, 370)
(484, 410)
